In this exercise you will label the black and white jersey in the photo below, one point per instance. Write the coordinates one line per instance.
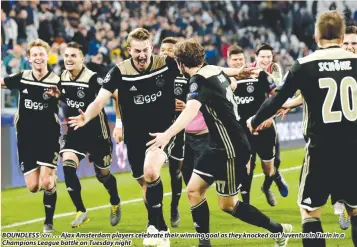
(37, 111)
(181, 88)
(212, 88)
(147, 99)
(78, 93)
(328, 82)
(251, 93)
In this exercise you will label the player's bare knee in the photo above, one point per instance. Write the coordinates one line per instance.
(151, 173)
(47, 182)
(194, 194)
(33, 188)
(309, 214)
(102, 174)
(227, 204)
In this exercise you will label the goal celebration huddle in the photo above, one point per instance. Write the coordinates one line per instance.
(206, 122)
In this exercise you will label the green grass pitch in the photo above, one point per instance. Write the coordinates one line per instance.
(19, 205)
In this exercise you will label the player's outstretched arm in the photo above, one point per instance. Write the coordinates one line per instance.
(118, 130)
(92, 111)
(242, 72)
(288, 105)
(187, 115)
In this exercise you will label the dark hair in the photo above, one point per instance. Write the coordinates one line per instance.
(263, 47)
(169, 40)
(351, 30)
(234, 49)
(190, 53)
(330, 25)
(75, 45)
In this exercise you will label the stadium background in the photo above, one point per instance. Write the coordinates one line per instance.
(102, 28)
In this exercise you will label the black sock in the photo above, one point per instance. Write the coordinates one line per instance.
(253, 216)
(354, 229)
(73, 185)
(176, 181)
(247, 185)
(150, 220)
(200, 216)
(154, 197)
(110, 184)
(49, 201)
(268, 180)
(312, 225)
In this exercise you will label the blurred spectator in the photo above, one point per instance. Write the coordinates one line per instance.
(15, 61)
(8, 29)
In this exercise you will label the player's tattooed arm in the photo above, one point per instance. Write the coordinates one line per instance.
(187, 115)
(92, 111)
(118, 130)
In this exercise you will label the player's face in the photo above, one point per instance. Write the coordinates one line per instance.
(141, 52)
(236, 60)
(167, 49)
(73, 59)
(38, 58)
(350, 43)
(264, 59)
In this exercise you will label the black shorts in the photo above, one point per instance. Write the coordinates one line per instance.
(228, 173)
(90, 141)
(136, 149)
(37, 150)
(264, 144)
(328, 171)
(176, 148)
(195, 145)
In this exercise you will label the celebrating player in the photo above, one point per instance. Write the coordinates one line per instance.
(177, 145)
(37, 126)
(78, 88)
(327, 80)
(226, 158)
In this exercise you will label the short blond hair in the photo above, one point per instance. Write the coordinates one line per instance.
(140, 34)
(330, 25)
(40, 43)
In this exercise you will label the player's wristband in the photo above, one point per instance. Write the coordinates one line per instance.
(118, 123)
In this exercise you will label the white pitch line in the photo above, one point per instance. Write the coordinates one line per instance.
(122, 203)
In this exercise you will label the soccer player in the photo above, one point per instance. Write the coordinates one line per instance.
(78, 88)
(327, 81)
(177, 145)
(250, 94)
(147, 104)
(37, 126)
(349, 44)
(226, 158)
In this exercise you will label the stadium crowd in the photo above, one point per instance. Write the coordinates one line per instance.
(102, 28)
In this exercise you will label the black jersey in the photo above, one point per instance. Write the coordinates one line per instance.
(251, 93)
(328, 82)
(37, 111)
(79, 93)
(147, 99)
(181, 88)
(212, 88)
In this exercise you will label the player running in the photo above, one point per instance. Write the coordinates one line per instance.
(327, 81)
(78, 88)
(226, 158)
(37, 126)
(250, 94)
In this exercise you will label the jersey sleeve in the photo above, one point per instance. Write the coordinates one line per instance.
(267, 81)
(13, 81)
(172, 65)
(112, 80)
(291, 83)
(198, 89)
(95, 83)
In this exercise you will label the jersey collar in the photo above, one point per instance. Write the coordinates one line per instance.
(145, 71)
(329, 47)
(79, 74)
(35, 79)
